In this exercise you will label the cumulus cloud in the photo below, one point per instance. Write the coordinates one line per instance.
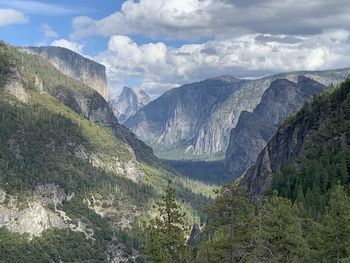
(48, 31)
(76, 47)
(183, 19)
(11, 16)
(158, 67)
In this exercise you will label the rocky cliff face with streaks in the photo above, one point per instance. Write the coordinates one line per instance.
(320, 128)
(254, 129)
(128, 103)
(195, 121)
(76, 66)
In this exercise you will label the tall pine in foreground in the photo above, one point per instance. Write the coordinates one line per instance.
(232, 225)
(282, 229)
(165, 240)
(336, 227)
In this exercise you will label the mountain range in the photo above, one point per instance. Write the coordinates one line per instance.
(195, 121)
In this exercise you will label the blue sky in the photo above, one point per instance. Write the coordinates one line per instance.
(158, 45)
(58, 15)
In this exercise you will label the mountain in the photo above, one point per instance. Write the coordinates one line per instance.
(311, 149)
(174, 123)
(297, 205)
(92, 105)
(75, 185)
(194, 121)
(74, 65)
(255, 128)
(128, 103)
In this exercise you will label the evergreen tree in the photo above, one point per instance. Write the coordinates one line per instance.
(165, 240)
(282, 229)
(232, 222)
(336, 232)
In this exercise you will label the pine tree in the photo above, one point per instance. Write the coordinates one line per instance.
(336, 223)
(232, 222)
(282, 229)
(165, 240)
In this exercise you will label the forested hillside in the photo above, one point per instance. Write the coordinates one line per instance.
(71, 188)
(293, 205)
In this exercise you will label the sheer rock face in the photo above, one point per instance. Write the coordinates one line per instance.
(254, 129)
(75, 66)
(295, 137)
(195, 120)
(181, 118)
(128, 103)
(36, 217)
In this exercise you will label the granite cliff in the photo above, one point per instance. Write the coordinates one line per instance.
(311, 148)
(283, 97)
(128, 103)
(75, 66)
(255, 128)
(194, 121)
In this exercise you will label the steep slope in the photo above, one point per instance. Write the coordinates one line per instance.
(81, 99)
(69, 178)
(194, 121)
(76, 66)
(254, 129)
(128, 103)
(311, 149)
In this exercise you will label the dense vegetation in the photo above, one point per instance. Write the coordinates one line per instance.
(306, 215)
(325, 161)
(164, 239)
(273, 229)
(44, 142)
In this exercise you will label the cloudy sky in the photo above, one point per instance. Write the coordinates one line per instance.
(161, 44)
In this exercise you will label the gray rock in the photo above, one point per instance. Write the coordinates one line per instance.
(75, 66)
(254, 129)
(194, 121)
(128, 103)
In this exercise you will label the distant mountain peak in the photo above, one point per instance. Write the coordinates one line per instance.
(129, 102)
(226, 78)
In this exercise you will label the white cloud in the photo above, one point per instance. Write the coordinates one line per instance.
(48, 31)
(10, 16)
(184, 19)
(76, 47)
(158, 67)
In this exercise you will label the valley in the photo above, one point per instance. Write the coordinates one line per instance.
(174, 131)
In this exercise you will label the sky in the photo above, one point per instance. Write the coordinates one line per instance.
(161, 44)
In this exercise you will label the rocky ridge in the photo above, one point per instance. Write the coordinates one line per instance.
(194, 121)
(255, 128)
(74, 65)
(320, 124)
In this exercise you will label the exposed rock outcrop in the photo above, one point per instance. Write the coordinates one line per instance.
(325, 121)
(128, 103)
(255, 128)
(76, 66)
(194, 121)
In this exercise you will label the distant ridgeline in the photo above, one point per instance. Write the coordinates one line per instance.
(194, 121)
(75, 185)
